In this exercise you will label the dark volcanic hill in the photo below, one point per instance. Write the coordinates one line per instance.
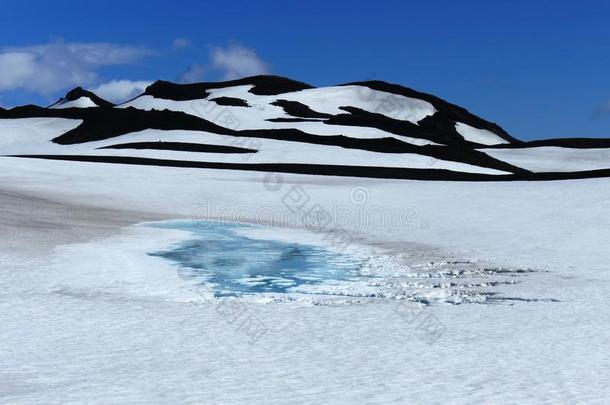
(270, 123)
(84, 97)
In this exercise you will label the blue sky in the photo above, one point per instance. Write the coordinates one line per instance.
(538, 68)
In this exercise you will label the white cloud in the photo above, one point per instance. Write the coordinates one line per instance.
(193, 74)
(181, 43)
(119, 91)
(47, 68)
(236, 61)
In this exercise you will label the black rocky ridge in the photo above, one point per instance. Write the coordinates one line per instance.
(331, 170)
(181, 146)
(79, 92)
(263, 85)
(101, 124)
(108, 122)
(230, 101)
(299, 110)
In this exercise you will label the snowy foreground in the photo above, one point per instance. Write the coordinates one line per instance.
(88, 317)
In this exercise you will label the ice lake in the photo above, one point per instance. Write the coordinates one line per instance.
(231, 264)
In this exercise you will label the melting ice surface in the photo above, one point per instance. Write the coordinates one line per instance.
(232, 264)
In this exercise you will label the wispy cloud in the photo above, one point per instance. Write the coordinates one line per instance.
(193, 74)
(119, 91)
(181, 43)
(47, 68)
(236, 61)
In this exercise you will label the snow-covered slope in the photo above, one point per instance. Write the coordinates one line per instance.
(270, 123)
(108, 320)
(31, 135)
(554, 158)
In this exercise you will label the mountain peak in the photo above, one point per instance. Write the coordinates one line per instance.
(450, 112)
(77, 93)
(81, 98)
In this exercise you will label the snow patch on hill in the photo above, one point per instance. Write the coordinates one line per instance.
(326, 100)
(82, 102)
(476, 135)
